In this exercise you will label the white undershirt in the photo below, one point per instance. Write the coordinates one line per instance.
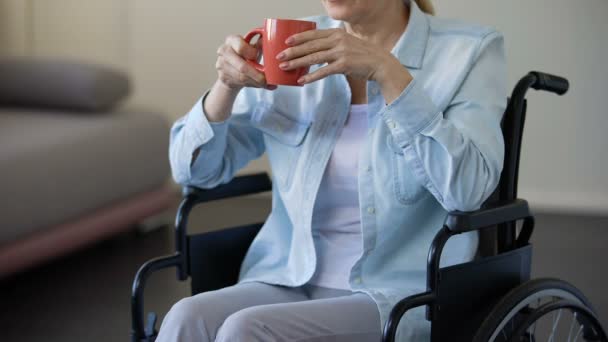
(336, 225)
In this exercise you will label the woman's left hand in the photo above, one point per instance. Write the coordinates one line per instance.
(344, 53)
(348, 55)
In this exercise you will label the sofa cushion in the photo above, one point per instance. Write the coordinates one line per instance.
(49, 83)
(57, 166)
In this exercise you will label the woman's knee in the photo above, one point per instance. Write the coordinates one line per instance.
(184, 322)
(248, 325)
(185, 310)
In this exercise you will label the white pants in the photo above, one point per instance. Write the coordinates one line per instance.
(251, 312)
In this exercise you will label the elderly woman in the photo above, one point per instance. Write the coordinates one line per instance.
(398, 123)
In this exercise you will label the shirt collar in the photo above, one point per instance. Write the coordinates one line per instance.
(411, 46)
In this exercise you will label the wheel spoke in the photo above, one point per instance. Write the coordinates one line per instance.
(578, 332)
(571, 326)
(555, 322)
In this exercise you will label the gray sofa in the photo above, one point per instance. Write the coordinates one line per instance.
(74, 167)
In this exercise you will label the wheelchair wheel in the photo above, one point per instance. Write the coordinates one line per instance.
(542, 310)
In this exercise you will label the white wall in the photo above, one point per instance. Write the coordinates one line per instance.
(13, 32)
(91, 30)
(169, 49)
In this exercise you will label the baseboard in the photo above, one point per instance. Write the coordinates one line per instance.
(581, 203)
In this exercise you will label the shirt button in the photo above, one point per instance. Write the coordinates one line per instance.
(371, 210)
(374, 91)
(369, 169)
(392, 125)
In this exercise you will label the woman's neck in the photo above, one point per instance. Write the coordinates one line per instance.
(383, 27)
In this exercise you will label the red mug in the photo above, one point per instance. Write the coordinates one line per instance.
(273, 35)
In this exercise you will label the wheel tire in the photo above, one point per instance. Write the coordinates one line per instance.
(520, 297)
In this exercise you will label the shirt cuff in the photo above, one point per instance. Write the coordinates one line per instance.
(199, 129)
(409, 114)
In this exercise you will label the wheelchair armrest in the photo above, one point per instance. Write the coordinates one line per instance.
(494, 214)
(239, 186)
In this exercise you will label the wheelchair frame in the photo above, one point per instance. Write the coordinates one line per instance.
(196, 256)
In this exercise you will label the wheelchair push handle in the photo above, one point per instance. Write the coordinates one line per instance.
(552, 83)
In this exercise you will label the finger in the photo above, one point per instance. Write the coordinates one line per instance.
(305, 49)
(321, 73)
(241, 47)
(305, 36)
(308, 60)
(231, 75)
(242, 66)
(240, 78)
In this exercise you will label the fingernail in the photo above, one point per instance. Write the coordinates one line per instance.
(283, 65)
(301, 80)
(289, 41)
(281, 56)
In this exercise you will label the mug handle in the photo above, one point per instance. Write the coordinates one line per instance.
(256, 31)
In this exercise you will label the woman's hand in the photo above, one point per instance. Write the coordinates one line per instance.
(233, 71)
(345, 54)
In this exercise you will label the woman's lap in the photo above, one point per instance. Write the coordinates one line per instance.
(261, 312)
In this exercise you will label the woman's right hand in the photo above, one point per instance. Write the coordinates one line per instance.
(232, 68)
(233, 73)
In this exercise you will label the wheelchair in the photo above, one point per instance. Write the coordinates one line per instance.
(491, 298)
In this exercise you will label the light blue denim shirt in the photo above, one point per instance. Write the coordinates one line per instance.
(437, 148)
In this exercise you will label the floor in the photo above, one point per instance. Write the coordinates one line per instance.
(86, 296)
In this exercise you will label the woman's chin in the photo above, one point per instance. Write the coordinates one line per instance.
(339, 13)
(338, 9)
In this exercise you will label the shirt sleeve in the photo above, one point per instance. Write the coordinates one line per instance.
(456, 154)
(206, 154)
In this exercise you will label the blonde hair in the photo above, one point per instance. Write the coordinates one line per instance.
(426, 6)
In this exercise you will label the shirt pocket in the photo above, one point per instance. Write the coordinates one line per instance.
(406, 187)
(284, 136)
